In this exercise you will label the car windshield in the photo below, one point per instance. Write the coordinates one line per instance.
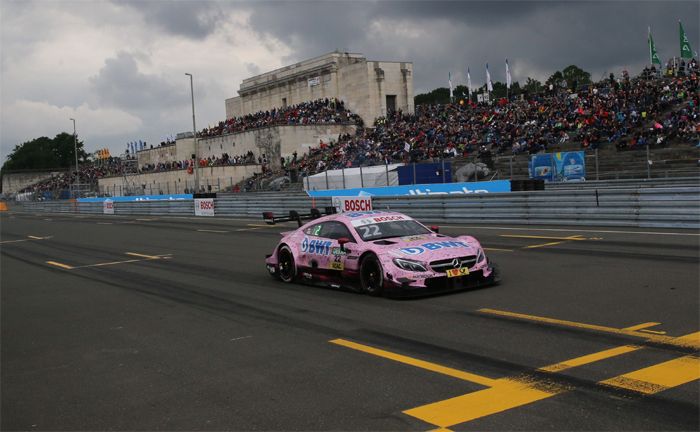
(383, 230)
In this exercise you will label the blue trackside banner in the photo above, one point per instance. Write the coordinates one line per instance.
(556, 167)
(171, 197)
(468, 188)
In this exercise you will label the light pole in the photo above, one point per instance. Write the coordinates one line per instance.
(194, 137)
(75, 147)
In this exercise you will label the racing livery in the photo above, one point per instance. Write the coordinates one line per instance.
(377, 252)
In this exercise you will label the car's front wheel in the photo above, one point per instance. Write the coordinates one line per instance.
(287, 269)
(371, 275)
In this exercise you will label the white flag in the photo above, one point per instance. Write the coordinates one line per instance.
(406, 147)
(449, 80)
(469, 83)
(508, 79)
(489, 84)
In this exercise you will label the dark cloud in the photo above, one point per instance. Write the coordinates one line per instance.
(120, 84)
(193, 19)
(541, 36)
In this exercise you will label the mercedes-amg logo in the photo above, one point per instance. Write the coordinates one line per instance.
(456, 263)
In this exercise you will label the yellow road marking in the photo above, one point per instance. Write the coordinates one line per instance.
(504, 395)
(444, 370)
(689, 341)
(575, 237)
(58, 264)
(590, 358)
(542, 245)
(659, 377)
(497, 249)
(142, 255)
(642, 326)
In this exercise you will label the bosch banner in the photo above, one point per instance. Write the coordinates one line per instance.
(345, 204)
(204, 206)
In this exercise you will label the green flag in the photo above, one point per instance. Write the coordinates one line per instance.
(653, 56)
(686, 52)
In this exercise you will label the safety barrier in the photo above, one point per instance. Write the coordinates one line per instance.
(675, 206)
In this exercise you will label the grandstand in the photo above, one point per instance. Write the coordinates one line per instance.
(621, 124)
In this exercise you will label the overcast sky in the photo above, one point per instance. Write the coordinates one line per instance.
(118, 67)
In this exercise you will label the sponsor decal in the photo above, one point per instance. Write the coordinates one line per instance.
(364, 213)
(345, 204)
(412, 238)
(316, 247)
(378, 219)
(432, 246)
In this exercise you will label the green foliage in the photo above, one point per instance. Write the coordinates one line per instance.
(45, 153)
(532, 86)
(572, 74)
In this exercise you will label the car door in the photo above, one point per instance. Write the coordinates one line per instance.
(332, 231)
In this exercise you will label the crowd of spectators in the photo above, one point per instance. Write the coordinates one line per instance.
(224, 160)
(320, 111)
(653, 108)
(625, 112)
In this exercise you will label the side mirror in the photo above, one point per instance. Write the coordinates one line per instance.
(435, 229)
(342, 242)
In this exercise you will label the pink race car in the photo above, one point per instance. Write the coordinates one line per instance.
(377, 252)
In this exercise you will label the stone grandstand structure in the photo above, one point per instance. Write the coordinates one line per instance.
(369, 88)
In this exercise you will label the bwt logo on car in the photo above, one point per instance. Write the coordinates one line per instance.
(417, 250)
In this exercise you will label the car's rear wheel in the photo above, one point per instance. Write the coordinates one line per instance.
(287, 269)
(371, 275)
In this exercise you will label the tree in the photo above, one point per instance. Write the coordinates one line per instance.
(532, 86)
(572, 77)
(45, 153)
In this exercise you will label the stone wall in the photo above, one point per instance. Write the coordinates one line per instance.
(171, 182)
(15, 181)
(362, 84)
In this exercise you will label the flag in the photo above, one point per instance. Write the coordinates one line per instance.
(489, 84)
(469, 83)
(407, 147)
(653, 56)
(449, 80)
(508, 79)
(686, 51)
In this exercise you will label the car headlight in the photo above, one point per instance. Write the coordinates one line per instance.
(480, 255)
(411, 265)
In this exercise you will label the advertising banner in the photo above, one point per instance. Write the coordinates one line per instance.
(556, 167)
(172, 197)
(108, 206)
(204, 206)
(466, 188)
(345, 204)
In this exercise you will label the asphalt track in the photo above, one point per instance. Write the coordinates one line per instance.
(152, 323)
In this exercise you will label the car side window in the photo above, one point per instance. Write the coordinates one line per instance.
(314, 230)
(335, 230)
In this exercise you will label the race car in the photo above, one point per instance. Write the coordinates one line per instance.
(376, 252)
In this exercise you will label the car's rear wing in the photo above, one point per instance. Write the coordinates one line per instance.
(294, 215)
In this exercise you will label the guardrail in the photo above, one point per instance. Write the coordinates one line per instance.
(674, 206)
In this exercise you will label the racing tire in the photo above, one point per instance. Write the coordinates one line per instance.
(286, 267)
(371, 276)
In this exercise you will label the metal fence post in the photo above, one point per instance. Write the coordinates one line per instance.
(511, 166)
(648, 163)
(443, 169)
(597, 174)
(327, 180)
(414, 173)
(386, 165)
(362, 179)
(343, 172)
